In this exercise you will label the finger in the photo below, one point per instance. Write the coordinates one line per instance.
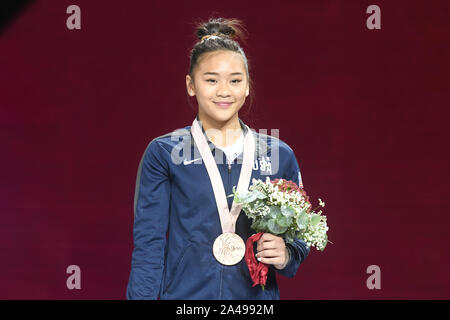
(267, 246)
(267, 237)
(270, 238)
(270, 260)
(271, 253)
(261, 243)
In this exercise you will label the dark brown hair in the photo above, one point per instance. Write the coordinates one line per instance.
(229, 32)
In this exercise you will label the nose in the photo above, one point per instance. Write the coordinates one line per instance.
(223, 90)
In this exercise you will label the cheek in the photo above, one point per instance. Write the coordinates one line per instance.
(240, 94)
(205, 92)
(240, 90)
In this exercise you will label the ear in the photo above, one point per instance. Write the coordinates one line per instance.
(189, 86)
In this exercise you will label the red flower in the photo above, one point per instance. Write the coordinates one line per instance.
(289, 186)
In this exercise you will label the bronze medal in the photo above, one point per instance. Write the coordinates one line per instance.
(229, 248)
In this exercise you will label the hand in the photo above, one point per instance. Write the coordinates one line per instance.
(272, 249)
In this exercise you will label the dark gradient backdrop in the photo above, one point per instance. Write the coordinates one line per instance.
(366, 113)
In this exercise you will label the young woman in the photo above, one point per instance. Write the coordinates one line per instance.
(188, 237)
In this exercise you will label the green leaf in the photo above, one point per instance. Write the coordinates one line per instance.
(274, 211)
(288, 239)
(259, 195)
(284, 221)
(247, 197)
(290, 236)
(255, 225)
(259, 225)
(302, 219)
(275, 228)
(235, 195)
(251, 197)
(315, 219)
(288, 211)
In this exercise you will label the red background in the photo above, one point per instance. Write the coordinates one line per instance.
(365, 111)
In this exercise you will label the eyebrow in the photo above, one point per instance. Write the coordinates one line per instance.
(216, 74)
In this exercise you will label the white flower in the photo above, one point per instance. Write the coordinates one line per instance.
(321, 203)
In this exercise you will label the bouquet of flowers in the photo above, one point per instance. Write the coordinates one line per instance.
(282, 208)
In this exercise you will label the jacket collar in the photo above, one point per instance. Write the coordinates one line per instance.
(261, 145)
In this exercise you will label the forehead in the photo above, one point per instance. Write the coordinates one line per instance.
(222, 61)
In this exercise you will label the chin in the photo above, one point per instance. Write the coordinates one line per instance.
(219, 114)
(223, 115)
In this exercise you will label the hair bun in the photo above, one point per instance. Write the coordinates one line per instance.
(225, 28)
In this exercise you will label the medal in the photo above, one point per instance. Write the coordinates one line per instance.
(228, 248)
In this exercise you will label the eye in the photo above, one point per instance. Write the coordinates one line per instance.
(235, 81)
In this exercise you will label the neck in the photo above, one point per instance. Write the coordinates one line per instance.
(221, 133)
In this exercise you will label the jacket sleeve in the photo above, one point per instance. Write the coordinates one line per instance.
(298, 250)
(151, 216)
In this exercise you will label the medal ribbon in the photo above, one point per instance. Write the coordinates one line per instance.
(227, 217)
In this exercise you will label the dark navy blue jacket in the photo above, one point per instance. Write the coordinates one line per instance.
(176, 221)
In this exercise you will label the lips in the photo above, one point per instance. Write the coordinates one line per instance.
(223, 104)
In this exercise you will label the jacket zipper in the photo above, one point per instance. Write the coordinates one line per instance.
(221, 269)
(229, 179)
